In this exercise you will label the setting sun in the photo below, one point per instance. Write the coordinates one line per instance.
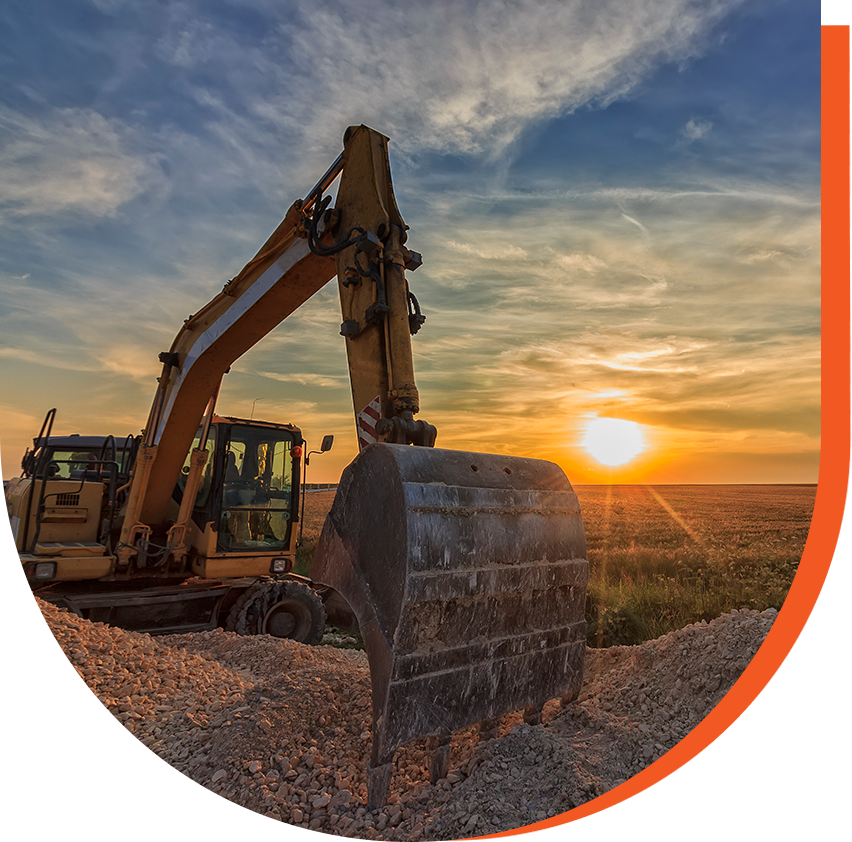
(613, 441)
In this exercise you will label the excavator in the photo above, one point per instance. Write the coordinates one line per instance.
(465, 572)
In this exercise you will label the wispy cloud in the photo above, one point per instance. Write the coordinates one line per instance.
(466, 78)
(56, 357)
(461, 77)
(69, 160)
(586, 262)
(635, 222)
(506, 252)
(471, 76)
(306, 379)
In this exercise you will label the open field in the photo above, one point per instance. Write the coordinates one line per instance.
(664, 556)
(317, 504)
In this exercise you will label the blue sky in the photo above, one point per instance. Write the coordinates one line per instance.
(617, 204)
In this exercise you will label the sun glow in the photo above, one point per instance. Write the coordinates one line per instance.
(613, 441)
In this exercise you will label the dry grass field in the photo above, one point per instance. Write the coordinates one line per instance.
(664, 556)
(317, 504)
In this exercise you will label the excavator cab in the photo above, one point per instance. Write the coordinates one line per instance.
(248, 493)
(257, 501)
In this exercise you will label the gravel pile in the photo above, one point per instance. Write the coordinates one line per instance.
(284, 729)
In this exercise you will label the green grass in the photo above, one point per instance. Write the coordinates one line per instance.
(317, 505)
(304, 556)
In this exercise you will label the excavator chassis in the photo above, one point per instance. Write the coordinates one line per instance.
(467, 573)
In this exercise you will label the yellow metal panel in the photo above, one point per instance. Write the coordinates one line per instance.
(69, 549)
(72, 510)
(83, 567)
(233, 567)
(76, 569)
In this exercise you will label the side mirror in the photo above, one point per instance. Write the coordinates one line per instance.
(327, 442)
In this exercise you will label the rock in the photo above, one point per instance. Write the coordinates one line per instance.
(342, 798)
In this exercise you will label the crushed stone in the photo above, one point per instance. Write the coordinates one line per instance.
(284, 729)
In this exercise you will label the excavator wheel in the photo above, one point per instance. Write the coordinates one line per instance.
(281, 609)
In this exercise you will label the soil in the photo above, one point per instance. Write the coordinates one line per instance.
(284, 729)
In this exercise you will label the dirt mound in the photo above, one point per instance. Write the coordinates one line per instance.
(284, 729)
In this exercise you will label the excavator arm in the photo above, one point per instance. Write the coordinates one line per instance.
(379, 311)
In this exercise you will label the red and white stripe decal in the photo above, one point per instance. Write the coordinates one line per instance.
(366, 422)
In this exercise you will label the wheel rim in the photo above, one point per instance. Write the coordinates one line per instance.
(287, 618)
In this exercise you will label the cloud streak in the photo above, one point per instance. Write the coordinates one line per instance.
(449, 77)
(70, 160)
(695, 130)
(472, 76)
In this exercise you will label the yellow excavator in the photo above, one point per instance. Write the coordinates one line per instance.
(466, 572)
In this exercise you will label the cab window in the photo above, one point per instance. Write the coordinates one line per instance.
(66, 461)
(257, 488)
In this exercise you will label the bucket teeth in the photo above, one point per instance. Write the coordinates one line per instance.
(378, 785)
(489, 729)
(467, 573)
(439, 760)
(532, 715)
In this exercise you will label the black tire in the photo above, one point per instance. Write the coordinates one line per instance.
(282, 609)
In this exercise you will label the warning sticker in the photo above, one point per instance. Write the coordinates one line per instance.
(366, 422)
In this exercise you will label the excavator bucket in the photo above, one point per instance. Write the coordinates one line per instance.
(467, 573)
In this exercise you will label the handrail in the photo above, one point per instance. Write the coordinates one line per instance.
(40, 442)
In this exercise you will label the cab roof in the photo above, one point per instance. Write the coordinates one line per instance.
(78, 442)
(229, 419)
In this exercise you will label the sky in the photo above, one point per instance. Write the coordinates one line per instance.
(617, 205)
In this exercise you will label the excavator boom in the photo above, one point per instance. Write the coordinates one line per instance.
(293, 264)
(278, 280)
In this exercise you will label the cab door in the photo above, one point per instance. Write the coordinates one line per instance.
(258, 502)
